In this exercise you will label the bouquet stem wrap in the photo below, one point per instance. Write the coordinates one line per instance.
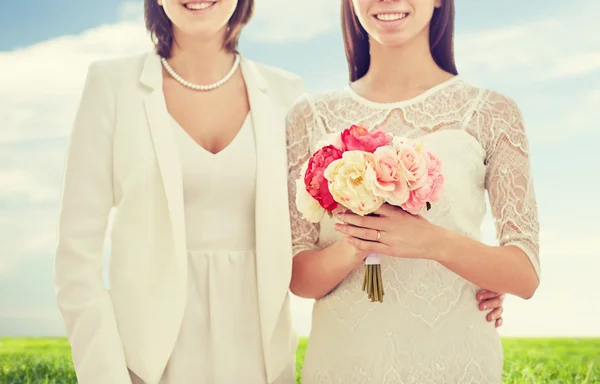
(373, 283)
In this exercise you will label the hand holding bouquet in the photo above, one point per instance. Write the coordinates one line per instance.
(359, 171)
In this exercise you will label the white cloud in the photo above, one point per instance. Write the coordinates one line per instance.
(39, 101)
(578, 64)
(287, 21)
(132, 10)
(558, 244)
(24, 184)
(541, 50)
(65, 60)
(4, 270)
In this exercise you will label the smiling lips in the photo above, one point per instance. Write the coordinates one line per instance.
(199, 5)
(390, 16)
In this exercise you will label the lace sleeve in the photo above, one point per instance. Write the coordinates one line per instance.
(508, 177)
(301, 122)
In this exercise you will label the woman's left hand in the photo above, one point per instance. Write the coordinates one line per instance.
(393, 232)
(492, 302)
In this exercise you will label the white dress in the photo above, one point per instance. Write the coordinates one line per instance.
(429, 328)
(220, 340)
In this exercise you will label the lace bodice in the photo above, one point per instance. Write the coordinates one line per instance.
(454, 107)
(428, 329)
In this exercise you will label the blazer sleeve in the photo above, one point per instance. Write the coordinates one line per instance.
(86, 202)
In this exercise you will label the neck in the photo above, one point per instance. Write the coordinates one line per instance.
(406, 66)
(200, 61)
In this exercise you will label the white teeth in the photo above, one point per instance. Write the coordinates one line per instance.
(391, 16)
(198, 6)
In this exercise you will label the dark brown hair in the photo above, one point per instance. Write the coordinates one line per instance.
(161, 28)
(356, 39)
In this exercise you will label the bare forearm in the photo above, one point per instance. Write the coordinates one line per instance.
(316, 273)
(500, 269)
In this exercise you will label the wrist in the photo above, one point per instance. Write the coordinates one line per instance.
(351, 257)
(441, 248)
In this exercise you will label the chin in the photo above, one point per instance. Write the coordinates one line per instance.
(202, 31)
(394, 40)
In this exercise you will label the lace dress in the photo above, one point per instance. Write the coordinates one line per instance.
(429, 328)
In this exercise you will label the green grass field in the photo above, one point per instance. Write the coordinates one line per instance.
(535, 361)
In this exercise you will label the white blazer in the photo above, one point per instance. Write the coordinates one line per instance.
(122, 155)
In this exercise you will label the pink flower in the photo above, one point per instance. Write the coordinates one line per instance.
(434, 165)
(414, 163)
(334, 139)
(413, 205)
(429, 192)
(437, 188)
(390, 181)
(431, 189)
(357, 138)
(434, 174)
(316, 184)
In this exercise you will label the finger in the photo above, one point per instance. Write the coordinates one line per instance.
(484, 294)
(359, 232)
(499, 322)
(338, 209)
(388, 210)
(367, 246)
(490, 304)
(495, 314)
(360, 221)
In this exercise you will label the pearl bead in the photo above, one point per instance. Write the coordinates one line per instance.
(199, 87)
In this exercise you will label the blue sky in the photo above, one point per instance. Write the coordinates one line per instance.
(545, 55)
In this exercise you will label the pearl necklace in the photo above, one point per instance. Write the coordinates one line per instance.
(199, 87)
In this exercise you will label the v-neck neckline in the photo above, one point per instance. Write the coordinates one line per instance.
(201, 147)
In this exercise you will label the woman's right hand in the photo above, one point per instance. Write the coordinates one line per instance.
(351, 255)
(316, 272)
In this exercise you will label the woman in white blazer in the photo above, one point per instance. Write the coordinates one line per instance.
(200, 242)
(187, 147)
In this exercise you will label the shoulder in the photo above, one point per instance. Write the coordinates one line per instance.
(499, 119)
(489, 108)
(488, 101)
(497, 102)
(287, 86)
(502, 114)
(319, 103)
(276, 74)
(115, 70)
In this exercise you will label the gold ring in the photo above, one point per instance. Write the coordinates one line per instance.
(378, 235)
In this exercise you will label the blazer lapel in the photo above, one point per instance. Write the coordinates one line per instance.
(273, 238)
(166, 151)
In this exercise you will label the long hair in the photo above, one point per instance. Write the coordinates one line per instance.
(161, 28)
(356, 39)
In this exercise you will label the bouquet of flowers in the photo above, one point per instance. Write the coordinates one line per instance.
(359, 170)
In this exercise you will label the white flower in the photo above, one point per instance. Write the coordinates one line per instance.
(310, 208)
(351, 180)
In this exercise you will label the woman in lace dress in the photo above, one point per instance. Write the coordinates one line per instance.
(429, 328)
